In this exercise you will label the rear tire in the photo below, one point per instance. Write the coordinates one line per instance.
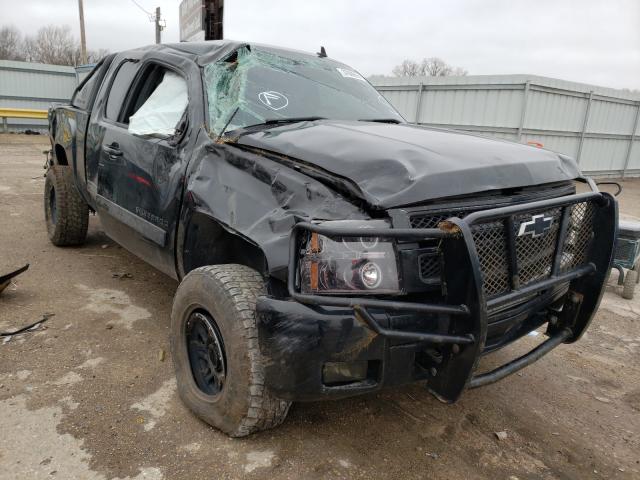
(222, 383)
(65, 211)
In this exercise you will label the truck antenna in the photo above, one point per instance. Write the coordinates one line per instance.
(322, 53)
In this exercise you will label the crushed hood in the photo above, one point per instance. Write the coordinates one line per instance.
(397, 165)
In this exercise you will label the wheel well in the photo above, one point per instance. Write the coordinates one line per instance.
(206, 242)
(61, 155)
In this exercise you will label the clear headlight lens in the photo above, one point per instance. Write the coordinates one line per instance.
(340, 265)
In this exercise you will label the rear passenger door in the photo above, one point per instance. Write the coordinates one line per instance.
(144, 119)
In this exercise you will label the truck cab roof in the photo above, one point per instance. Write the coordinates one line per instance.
(209, 51)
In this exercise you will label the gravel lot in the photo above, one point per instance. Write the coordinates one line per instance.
(90, 394)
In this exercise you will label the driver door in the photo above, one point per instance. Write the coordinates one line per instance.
(140, 151)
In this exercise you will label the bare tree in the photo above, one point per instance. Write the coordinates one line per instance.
(408, 68)
(436, 67)
(94, 56)
(10, 43)
(428, 67)
(52, 44)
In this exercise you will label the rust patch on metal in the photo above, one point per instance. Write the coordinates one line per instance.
(225, 140)
(361, 344)
(449, 227)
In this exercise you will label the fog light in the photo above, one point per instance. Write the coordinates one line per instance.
(371, 275)
(342, 372)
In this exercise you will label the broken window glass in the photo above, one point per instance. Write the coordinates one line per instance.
(161, 112)
(257, 84)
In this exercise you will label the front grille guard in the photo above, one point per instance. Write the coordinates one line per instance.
(466, 304)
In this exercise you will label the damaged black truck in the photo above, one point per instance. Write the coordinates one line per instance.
(325, 247)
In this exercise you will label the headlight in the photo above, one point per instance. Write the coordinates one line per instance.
(335, 265)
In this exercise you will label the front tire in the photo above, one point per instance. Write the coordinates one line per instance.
(65, 211)
(214, 343)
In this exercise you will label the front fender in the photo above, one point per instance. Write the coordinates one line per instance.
(257, 198)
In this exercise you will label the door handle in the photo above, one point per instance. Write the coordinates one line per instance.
(112, 150)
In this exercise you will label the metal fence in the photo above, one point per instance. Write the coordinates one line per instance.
(595, 125)
(34, 86)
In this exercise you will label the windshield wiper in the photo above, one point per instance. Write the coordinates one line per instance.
(284, 121)
(380, 120)
(235, 110)
(239, 132)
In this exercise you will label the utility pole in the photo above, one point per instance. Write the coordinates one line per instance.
(158, 26)
(83, 40)
(214, 13)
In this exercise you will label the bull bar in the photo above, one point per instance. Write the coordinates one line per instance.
(466, 303)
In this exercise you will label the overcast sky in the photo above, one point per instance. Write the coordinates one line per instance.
(591, 41)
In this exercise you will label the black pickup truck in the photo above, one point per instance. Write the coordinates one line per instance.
(325, 247)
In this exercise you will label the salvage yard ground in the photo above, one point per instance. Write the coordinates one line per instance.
(91, 394)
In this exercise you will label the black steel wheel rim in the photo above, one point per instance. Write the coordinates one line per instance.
(53, 210)
(206, 353)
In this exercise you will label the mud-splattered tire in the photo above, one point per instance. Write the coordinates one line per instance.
(65, 211)
(629, 286)
(226, 296)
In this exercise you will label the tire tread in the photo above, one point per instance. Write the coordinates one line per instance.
(241, 286)
(72, 219)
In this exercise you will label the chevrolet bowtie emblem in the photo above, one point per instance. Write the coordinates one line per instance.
(538, 225)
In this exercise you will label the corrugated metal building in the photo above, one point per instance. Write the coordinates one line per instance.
(36, 86)
(595, 125)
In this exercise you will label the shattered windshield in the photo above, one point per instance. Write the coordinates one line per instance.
(257, 85)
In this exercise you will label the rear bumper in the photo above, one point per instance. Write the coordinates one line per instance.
(394, 342)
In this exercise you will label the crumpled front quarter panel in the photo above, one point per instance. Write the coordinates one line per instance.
(258, 198)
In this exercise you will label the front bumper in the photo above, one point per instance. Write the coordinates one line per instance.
(400, 342)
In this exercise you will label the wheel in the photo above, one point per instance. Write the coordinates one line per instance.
(214, 344)
(630, 281)
(65, 211)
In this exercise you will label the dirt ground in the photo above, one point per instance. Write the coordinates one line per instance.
(90, 396)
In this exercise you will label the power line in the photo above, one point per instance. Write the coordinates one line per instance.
(160, 23)
(151, 16)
